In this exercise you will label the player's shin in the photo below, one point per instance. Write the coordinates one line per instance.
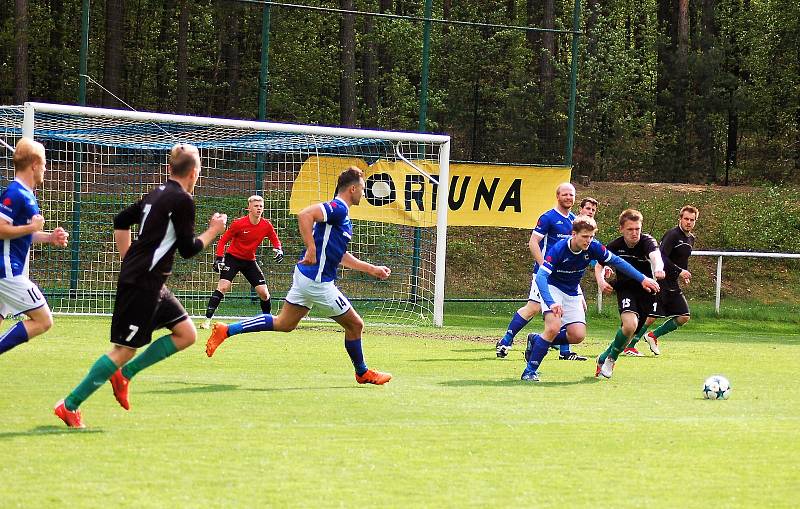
(539, 350)
(258, 323)
(213, 303)
(100, 371)
(158, 350)
(14, 336)
(666, 327)
(618, 345)
(353, 347)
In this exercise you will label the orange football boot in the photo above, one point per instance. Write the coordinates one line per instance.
(373, 377)
(219, 333)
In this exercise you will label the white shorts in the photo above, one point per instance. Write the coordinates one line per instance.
(571, 304)
(534, 294)
(308, 293)
(18, 295)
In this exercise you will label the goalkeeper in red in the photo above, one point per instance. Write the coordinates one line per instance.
(245, 235)
(326, 230)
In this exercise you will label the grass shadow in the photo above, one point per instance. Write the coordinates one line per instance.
(288, 389)
(466, 359)
(516, 382)
(194, 388)
(46, 431)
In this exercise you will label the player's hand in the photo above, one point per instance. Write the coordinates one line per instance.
(650, 285)
(607, 272)
(310, 258)
(37, 222)
(59, 237)
(219, 264)
(660, 274)
(278, 255)
(218, 222)
(606, 288)
(382, 272)
(686, 276)
(557, 310)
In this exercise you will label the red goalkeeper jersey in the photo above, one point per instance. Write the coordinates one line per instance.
(245, 237)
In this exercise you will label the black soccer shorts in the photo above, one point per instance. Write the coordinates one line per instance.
(139, 311)
(635, 300)
(249, 269)
(671, 302)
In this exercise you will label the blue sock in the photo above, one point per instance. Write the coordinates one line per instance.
(563, 349)
(258, 323)
(516, 325)
(353, 347)
(14, 336)
(561, 338)
(539, 350)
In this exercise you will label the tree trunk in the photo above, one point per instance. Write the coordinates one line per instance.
(182, 63)
(55, 76)
(21, 62)
(163, 71)
(370, 114)
(347, 92)
(114, 55)
(547, 56)
(230, 53)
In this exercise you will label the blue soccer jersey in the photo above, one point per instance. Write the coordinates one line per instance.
(331, 238)
(564, 268)
(17, 206)
(553, 226)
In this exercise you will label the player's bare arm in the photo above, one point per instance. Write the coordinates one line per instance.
(379, 271)
(657, 264)
(8, 231)
(600, 277)
(216, 225)
(305, 223)
(533, 245)
(122, 239)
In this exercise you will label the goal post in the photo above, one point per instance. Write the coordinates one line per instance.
(99, 160)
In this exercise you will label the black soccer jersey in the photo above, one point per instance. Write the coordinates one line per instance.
(638, 256)
(676, 247)
(165, 217)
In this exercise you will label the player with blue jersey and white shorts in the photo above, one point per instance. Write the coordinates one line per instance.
(21, 225)
(552, 226)
(558, 281)
(326, 230)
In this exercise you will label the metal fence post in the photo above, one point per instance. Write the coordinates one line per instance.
(719, 282)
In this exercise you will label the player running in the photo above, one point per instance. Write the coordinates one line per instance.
(143, 303)
(641, 251)
(676, 248)
(20, 225)
(558, 279)
(326, 231)
(245, 234)
(553, 225)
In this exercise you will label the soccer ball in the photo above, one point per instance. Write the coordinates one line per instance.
(716, 387)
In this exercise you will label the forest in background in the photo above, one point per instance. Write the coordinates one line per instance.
(697, 91)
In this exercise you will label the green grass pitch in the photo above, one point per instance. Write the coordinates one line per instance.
(278, 420)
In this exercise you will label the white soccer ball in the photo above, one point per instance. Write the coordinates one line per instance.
(716, 387)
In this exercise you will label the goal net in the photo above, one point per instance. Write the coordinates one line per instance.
(100, 160)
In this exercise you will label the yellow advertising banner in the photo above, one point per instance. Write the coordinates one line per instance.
(479, 194)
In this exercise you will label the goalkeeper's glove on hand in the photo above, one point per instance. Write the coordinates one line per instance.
(278, 255)
(219, 264)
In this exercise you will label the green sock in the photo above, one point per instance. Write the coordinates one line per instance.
(639, 333)
(158, 350)
(666, 327)
(606, 353)
(101, 370)
(619, 344)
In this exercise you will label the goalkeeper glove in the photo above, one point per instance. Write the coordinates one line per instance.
(219, 264)
(278, 255)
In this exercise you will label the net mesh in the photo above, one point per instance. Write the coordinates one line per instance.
(98, 165)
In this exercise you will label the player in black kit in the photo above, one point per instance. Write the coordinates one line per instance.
(635, 303)
(676, 247)
(143, 303)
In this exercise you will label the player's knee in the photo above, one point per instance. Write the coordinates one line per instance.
(356, 327)
(224, 286)
(262, 292)
(682, 320)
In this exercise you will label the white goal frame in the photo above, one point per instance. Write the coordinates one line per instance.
(443, 141)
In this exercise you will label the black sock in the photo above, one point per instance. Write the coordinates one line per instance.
(266, 306)
(213, 302)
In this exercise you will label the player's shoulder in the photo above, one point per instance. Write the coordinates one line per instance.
(616, 243)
